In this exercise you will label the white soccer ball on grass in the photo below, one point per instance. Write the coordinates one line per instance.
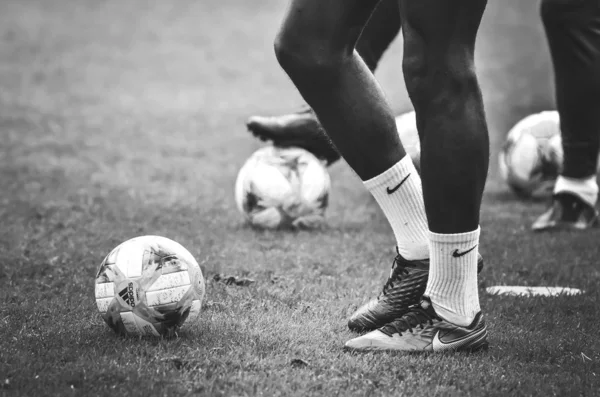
(149, 286)
(283, 187)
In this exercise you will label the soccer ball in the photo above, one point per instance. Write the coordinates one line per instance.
(282, 187)
(530, 159)
(409, 136)
(149, 286)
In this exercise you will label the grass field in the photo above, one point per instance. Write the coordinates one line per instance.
(124, 118)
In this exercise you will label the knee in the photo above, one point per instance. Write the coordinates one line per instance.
(287, 50)
(415, 69)
(309, 56)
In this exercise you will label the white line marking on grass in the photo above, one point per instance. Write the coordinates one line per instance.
(516, 290)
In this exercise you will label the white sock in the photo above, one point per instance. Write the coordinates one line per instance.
(399, 193)
(452, 284)
(584, 188)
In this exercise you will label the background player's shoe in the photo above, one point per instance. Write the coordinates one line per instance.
(404, 288)
(300, 129)
(422, 330)
(567, 211)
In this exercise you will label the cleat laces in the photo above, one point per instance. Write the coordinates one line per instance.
(399, 268)
(414, 318)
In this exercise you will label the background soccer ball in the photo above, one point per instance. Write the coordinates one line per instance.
(409, 136)
(531, 157)
(149, 285)
(282, 187)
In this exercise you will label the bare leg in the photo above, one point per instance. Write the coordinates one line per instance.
(439, 39)
(316, 48)
(302, 128)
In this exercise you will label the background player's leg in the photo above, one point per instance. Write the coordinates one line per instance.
(573, 33)
(316, 48)
(439, 70)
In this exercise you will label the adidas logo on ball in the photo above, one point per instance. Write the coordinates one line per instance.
(127, 295)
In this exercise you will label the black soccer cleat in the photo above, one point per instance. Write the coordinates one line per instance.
(404, 288)
(300, 129)
(420, 329)
(567, 212)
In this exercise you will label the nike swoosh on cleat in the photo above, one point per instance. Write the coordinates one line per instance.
(457, 254)
(438, 345)
(392, 190)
